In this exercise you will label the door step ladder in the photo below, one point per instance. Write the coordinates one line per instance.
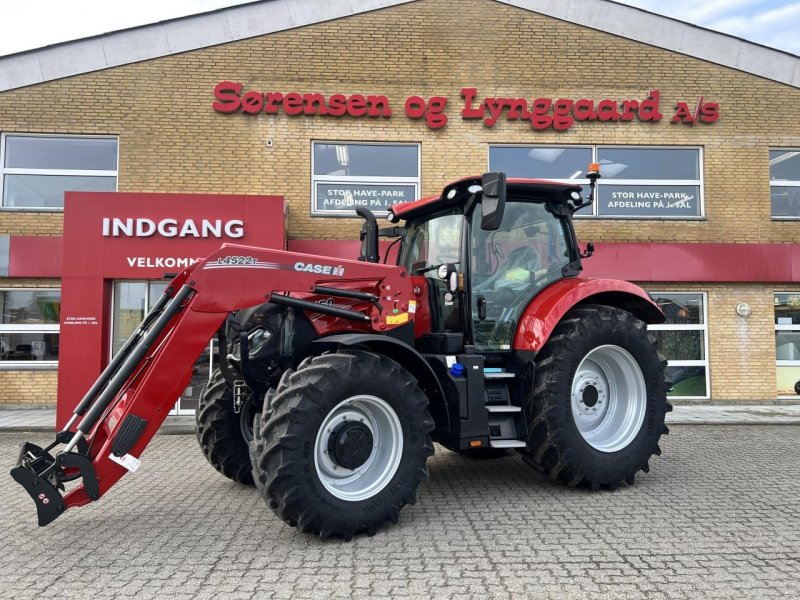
(506, 423)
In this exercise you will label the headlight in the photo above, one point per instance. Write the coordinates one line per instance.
(258, 339)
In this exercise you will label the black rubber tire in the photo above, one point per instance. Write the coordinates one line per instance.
(282, 450)
(555, 446)
(220, 434)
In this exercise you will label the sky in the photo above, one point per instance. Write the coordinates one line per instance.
(36, 23)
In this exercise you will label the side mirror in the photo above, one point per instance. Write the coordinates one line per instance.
(493, 203)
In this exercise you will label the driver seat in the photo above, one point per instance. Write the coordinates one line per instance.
(524, 257)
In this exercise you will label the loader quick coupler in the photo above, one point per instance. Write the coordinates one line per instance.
(43, 475)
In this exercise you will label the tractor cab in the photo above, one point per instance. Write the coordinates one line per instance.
(485, 248)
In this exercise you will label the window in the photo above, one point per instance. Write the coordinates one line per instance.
(375, 176)
(784, 183)
(132, 301)
(787, 343)
(29, 328)
(683, 340)
(649, 182)
(36, 170)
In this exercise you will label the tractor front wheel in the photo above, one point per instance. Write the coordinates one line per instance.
(343, 445)
(224, 434)
(597, 408)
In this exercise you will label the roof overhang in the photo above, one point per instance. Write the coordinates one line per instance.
(270, 16)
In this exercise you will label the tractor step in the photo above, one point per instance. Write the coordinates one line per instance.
(507, 443)
(490, 373)
(502, 408)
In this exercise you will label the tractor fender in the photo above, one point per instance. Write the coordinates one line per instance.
(408, 357)
(548, 308)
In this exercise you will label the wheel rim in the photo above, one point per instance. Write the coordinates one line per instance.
(364, 481)
(609, 398)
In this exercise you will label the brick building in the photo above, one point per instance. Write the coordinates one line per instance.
(333, 103)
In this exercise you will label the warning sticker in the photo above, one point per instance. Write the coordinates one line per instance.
(129, 462)
(412, 306)
(397, 319)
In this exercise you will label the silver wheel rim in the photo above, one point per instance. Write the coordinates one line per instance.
(387, 448)
(609, 398)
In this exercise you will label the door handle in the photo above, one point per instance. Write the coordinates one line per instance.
(481, 301)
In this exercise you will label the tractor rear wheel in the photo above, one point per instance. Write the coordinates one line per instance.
(343, 445)
(223, 434)
(597, 407)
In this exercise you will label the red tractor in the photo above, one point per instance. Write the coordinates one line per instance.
(336, 377)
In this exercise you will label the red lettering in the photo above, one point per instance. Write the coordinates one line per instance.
(584, 110)
(518, 108)
(468, 112)
(252, 102)
(337, 105)
(310, 100)
(709, 112)
(540, 119)
(495, 106)
(562, 117)
(434, 117)
(607, 111)
(378, 106)
(356, 105)
(682, 113)
(628, 109)
(415, 107)
(293, 104)
(648, 109)
(227, 97)
(272, 101)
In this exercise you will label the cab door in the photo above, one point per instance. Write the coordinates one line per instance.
(510, 265)
(433, 249)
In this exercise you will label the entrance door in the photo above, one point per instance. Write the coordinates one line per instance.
(132, 301)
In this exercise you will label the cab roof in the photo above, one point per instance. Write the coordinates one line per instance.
(458, 192)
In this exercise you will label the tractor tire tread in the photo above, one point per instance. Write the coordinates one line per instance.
(283, 435)
(219, 434)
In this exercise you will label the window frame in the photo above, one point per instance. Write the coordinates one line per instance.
(595, 148)
(361, 179)
(792, 327)
(28, 365)
(787, 183)
(177, 409)
(705, 362)
(65, 172)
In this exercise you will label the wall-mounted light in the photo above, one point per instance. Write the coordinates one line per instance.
(743, 309)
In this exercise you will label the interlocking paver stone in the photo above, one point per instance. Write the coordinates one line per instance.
(718, 516)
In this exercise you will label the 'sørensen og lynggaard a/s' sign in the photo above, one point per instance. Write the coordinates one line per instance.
(541, 113)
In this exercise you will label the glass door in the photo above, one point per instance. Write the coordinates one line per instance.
(131, 302)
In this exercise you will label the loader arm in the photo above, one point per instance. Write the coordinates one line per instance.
(122, 411)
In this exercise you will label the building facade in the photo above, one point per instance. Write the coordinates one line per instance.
(369, 102)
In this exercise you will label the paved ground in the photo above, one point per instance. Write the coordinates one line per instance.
(718, 516)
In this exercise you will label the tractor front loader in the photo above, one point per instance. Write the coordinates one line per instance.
(336, 377)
